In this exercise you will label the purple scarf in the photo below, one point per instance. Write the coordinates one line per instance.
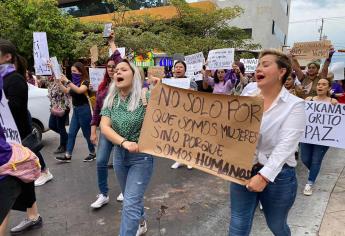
(76, 79)
(5, 69)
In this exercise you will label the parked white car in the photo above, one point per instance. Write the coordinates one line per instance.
(39, 107)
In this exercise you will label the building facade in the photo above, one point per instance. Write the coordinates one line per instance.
(266, 20)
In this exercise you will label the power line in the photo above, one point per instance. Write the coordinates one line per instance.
(326, 18)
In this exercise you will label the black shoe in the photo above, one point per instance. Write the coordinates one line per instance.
(27, 225)
(64, 158)
(90, 157)
(60, 149)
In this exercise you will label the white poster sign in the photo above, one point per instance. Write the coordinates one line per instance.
(194, 64)
(250, 64)
(338, 70)
(220, 59)
(325, 124)
(41, 53)
(96, 77)
(56, 67)
(7, 122)
(177, 82)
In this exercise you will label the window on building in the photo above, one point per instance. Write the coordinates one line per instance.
(281, 36)
(248, 32)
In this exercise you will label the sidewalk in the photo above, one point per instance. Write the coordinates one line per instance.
(333, 223)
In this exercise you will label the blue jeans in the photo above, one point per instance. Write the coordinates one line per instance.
(276, 199)
(312, 156)
(57, 124)
(133, 171)
(81, 118)
(103, 154)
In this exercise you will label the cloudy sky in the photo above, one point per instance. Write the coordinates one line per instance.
(301, 29)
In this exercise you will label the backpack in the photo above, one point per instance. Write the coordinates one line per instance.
(24, 164)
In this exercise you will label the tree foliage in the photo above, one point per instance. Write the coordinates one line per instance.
(192, 30)
(67, 37)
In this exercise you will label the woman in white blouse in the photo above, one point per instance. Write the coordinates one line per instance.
(273, 180)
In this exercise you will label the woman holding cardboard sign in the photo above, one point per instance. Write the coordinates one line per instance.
(273, 180)
(122, 118)
(313, 154)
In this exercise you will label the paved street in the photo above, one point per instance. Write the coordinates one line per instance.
(198, 203)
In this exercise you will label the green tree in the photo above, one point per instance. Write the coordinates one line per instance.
(67, 37)
(192, 30)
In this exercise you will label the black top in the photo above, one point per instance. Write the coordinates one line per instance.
(16, 91)
(79, 99)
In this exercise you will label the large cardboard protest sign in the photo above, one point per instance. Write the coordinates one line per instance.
(96, 77)
(41, 53)
(220, 59)
(7, 122)
(156, 71)
(311, 50)
(325, 124)
(194, 64)
(250, 64)
(211, 132)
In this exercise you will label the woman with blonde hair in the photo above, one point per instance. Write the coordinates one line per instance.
(122, 118)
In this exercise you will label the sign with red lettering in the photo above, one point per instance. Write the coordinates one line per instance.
(212, 132)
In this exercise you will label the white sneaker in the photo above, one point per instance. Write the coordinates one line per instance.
(308, 190)
(101, 200)
(142, 228)
(189, 167)
(176, 165)
(44, 178)
(120, 198)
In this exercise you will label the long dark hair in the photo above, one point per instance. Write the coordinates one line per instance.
(6, 47)
(81, 68)
(215, 77)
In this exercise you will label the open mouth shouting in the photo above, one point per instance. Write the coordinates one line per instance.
(119, 79)
(260, 77)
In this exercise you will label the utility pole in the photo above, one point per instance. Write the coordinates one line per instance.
(321, 29)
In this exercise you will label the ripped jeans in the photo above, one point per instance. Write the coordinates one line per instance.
(133, 171)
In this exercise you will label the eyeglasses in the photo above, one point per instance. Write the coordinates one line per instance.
(111, 66)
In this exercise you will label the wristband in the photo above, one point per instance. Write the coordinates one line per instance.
(124, 140)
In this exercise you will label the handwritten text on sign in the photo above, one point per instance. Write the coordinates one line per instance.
(7, 122)
(325, 124)
(220, 58)
(250, 64)
(214, 133)
(96, 77)
(311, 50)
(41, 53)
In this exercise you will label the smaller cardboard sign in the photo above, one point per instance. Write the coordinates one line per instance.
(183, 83)
(107, 30)
(194, 64)
(41, 53)
(96, 77)
(325, 124)
(7, 122)
(250, 64)
(156, 71)
(220, 59)
(56, 67)
(311, 50)
(94, 53)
